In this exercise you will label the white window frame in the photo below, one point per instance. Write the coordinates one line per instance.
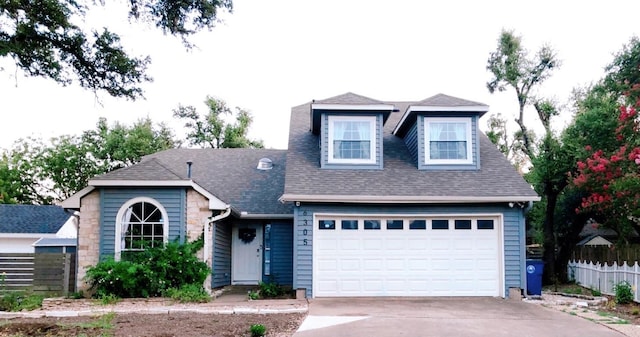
(427, 145)
(120, 216)
(372, 143)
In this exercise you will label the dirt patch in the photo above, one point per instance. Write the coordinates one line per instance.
(152, 325)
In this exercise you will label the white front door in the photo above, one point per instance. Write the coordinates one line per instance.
(247, 254)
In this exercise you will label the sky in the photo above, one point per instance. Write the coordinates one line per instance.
(268, 56)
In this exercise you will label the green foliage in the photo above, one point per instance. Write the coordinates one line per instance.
(596, 292)
(149, 273)
(253, 295)
(624, 292)
(107, 299)
(257, 330)
(193, 293)
(270, 289)
(40, 172)
(19, 300)
(43, 40)
(623, 74)
(211, 129)
(512, 67)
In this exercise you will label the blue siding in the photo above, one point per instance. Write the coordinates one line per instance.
(281, 253)
(221, 255)
(513, 244)
(475, 148)
(324, 145)
(112, 199)
(411, 140)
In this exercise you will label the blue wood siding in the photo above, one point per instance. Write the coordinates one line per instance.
(112, 199)
(281, 253)
(475, 149)
(324, 144)
(411, 140)
(221, 255)
(513, 230)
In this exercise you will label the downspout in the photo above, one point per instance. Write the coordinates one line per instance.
(209, 222)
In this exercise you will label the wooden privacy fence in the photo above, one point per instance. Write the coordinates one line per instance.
(604, 277)
(44, 273)
(609, 255)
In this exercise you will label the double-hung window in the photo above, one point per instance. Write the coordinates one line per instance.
(447, 140)
(352, 140)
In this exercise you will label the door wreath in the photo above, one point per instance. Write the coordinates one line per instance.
(247, 234)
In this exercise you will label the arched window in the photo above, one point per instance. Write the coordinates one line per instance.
(141, 223)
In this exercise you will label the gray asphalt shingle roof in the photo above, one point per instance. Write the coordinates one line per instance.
(26, 219)
(400, 176)
(229, 174)
(446, 100)
(348, 98)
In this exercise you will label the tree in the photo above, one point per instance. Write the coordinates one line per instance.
(43, 40)
(512, 67)
(41, 173)
(211, 131)
(509, 144)
(623, 74)
(119, 145)
(612, 180)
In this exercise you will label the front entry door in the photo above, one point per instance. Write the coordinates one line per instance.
(247, 254)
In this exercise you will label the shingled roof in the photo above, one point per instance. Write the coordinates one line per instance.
(400, 179)
(229, 174)
(32, 219)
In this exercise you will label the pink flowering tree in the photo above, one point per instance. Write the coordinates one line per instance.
(612, 180)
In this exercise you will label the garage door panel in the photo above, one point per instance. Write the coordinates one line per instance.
(373, 264)
(407, 262)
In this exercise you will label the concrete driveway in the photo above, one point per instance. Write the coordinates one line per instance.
(359, 317)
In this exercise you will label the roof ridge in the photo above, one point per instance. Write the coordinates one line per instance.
(165, 167)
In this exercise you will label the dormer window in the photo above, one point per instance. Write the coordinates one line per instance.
(448, 140)
(352, 140)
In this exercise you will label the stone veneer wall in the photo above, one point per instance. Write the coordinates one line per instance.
(197, 213)
(88, 236)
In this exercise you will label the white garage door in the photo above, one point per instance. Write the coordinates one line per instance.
(436, 256)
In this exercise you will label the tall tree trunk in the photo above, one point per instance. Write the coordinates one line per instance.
(549, 245)
(567, 245)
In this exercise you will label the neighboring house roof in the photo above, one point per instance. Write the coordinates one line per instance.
(229, 174)
(400, 180)
(36, 219)
(55, 242)
(594, 240)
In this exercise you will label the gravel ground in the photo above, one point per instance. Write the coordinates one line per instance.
(587, 308)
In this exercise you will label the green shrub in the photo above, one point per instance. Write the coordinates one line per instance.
(257, 330)
(596, 292)
(19, 300)
(624, 292)
(189, 293)
(149, 273)
(270, 289)
(253, 295)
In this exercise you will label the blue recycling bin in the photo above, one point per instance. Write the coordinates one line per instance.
(534, 277)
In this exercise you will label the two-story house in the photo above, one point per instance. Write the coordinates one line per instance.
(371, 199)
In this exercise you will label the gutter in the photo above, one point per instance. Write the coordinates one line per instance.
(403, 199)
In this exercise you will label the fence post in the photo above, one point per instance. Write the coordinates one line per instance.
(67, 272)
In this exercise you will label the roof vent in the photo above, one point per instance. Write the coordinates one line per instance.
(265, 164)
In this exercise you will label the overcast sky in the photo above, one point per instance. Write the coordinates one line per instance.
(271, 55)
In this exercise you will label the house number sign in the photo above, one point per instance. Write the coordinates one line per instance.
(305, 231)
